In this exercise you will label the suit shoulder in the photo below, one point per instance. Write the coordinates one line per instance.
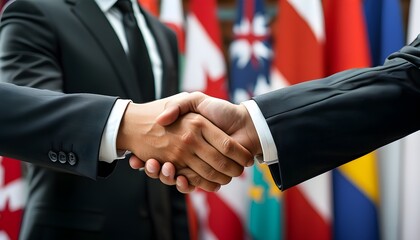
(31, 7)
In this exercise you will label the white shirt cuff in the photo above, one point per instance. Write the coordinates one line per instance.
(108, 149)
(268, 145)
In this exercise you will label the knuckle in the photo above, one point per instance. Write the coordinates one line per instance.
(188, 138)
(195, 120)
(197, 94)
(212, 174)
(223, 165)
(228, 146)
(195, 180)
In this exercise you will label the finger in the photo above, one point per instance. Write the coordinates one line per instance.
(197, 181)
(167, 174)
(183, 186)
(182, 104)
(207, 161)
(152, 168)
(202, 168)
(230, 148)
(168, 170)
(223, 148)
(169, 115)
(135, 162)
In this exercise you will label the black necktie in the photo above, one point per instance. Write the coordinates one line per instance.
(138, 54)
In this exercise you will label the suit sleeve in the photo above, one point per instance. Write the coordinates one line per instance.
(322, 124)
(29, 48)
(37, 122)
(30, 56)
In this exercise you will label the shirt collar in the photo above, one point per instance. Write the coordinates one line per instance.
(105, 5)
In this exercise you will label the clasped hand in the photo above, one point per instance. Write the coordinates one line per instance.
(190, 139)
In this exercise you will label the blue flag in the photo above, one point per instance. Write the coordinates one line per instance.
(385, 29)
(250, 51)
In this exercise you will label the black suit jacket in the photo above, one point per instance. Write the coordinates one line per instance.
(319, 125)
(69, 45)
(27, 114)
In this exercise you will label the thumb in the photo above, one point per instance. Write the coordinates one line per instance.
(169, 115)
(180, 104)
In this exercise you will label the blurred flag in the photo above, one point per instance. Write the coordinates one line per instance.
(2, 3)
(205, 67)
(220, 215)
(410, 186)
(172, 14)
(250, 51)
(298, 57)
(384, 28)
(12, 198)
(265, 216)
(150, 5)
(355, 185)
(386, 35)
(251, 55)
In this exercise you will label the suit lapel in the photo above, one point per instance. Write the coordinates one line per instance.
(95, 21)
(170, 78)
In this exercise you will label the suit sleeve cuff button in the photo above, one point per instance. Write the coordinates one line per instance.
(72, 158)
(52, 156)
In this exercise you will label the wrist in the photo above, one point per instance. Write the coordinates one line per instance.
(123, 135)
(251, 131)
(139, 124)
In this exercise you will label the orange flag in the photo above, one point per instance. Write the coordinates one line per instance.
(150, 5)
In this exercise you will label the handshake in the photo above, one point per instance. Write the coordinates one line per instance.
(189, 140)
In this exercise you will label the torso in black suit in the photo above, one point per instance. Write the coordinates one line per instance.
(69, 45)
(319, 125)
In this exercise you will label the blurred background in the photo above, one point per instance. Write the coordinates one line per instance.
(234, 49)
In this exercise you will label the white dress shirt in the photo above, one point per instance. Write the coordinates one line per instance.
(108, 150)
(268, 145)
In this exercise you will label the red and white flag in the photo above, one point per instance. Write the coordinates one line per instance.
(12, 198)
(299, 40)
(172, 14)
(205, 66)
